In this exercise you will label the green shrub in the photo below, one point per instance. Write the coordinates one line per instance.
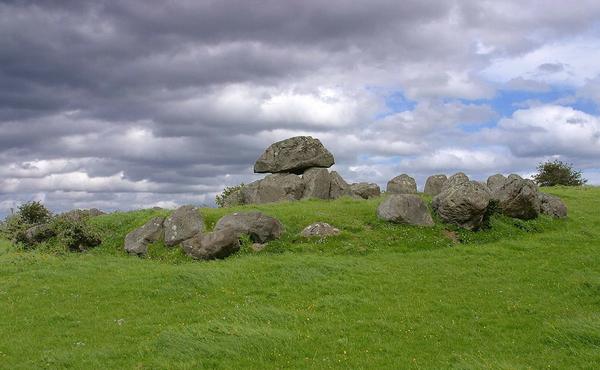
(222, 199)
(75, 235)
(34, 213)
(552, 173)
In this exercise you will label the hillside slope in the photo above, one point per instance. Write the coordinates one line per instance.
(523, 294)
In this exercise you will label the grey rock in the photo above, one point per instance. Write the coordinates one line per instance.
(402, 184)
(406, 209)
(365, 190)
(463, 204)
(182, 224)
(455, 179)
(518, 198)
(495, 182)
(260, 227)
(434, 184)
(319, 229)
(294, 155)
(39, 233)
(81, 214)
(136, 242)
(339, 187)
(274, 188)
(552, 205)
(217, 244)
(317, 183)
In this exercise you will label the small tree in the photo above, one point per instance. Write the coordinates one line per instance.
(34, 213)
(552, 173)
(223, 199)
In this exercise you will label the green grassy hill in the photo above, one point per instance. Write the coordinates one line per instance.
(520, 295)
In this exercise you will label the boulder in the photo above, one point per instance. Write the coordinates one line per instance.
(294, 155)
(463, 204)
(260, 227)
(338, 187)
(217, 244)
(136, 242)
(39, 233)
(317, 183)
(495, 182)
(434, 184)
(182, 224)
(406, 209)
(274, 188)
(365, 190)
(552, 205)
(81, 214)
(518, 198)
(455, 179)
(319, 229)
(402, 184)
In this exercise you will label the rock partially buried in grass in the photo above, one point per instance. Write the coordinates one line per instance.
(294, 155)
(406, 209)
(136, 242)
(81, 214)
(319, 229)
(518, 198)
(39, 233)
(182, 224)
(434, 184)
(217, 244)
(552, 205)
(464, 204)
(258, 226)
(402, 184)
(365, 190)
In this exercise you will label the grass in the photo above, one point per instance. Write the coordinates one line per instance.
(520, 295)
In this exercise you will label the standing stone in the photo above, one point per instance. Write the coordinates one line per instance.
(495, 182)
(136, 242)
(463, 204)
(455, 179)
(434, 184)
(319, 229)
(365, 190)
(260, 227)
(317, 183)
(518, 198)
(294, 155)
(339, 187)
(274, 188)
(402, 184)
(552, 205)
(182, 224)
(217, 244)
(406, 209)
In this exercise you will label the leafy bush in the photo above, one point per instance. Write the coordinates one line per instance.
(222, 199)
(34, 213)
(75, 235)
(552, 173)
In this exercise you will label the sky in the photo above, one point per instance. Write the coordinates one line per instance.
(139, 103)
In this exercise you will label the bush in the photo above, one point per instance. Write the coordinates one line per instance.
(552, 173)
(34, 213)
(75, 235)
(222, 199)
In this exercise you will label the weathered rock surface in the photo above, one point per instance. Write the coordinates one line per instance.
(136, 242)
(365, 190)
(463, 204)
(552, 205)
(434, 184)
(339, 187)
(518, 198)
(406, 209)
(39, 233)
(260, 227)
(81, 214)
(319, 229)
(274, 188)
(455, 179)
(182, 224)
(294, 155)
(217, 244)
(317, 183)
(402, 184)
(495, 182)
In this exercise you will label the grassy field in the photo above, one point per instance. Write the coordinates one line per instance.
(520, 295)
